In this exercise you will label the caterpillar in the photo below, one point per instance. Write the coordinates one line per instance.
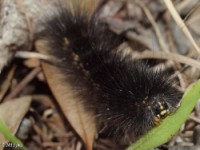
(126, 95)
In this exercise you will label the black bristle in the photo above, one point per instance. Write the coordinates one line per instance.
(122, 92)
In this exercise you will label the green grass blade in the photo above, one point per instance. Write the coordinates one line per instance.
(169, 126)
(6, 132)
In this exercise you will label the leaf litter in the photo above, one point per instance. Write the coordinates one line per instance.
(43, 122)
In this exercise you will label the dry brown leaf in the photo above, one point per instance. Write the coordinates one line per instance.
(12, 113)
(6, 83)
(81, 120)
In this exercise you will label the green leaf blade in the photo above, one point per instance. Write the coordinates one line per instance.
(169, 126)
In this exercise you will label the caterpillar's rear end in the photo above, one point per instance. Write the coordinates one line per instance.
(125, 95)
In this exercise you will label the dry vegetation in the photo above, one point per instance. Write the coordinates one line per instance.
(153, 31)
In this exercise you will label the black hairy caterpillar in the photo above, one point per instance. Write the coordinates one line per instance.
(128, 95)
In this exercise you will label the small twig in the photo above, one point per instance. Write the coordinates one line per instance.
(153, 22)
(180, 23)
(23, 83)
(24, 54)
(170, 56)
(7, 81)
(182, 82)
(179, 72)
(194, 119)
(173, 140)
(182, 5)
(191, 12)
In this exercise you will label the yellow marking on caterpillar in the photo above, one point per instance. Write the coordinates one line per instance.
(66, 41)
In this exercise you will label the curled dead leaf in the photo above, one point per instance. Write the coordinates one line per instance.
(81, 119)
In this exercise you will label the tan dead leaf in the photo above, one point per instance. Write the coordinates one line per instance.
(4, 86)
(81, 119)
(194, 20)
(12, 113)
